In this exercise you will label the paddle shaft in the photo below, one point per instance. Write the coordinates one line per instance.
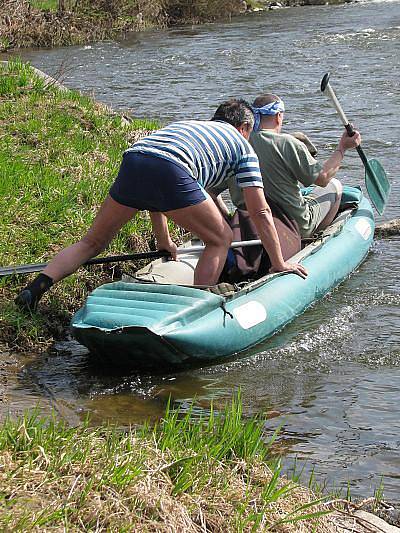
(38, 267)
(326, 88)
(343, 118)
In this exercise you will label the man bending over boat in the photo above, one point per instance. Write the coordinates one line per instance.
(167, 173)
(285, 161)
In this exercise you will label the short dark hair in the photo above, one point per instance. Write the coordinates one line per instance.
(265, 99)
(235, 111)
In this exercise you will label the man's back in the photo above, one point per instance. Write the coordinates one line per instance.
(211, 151)
(284, 161)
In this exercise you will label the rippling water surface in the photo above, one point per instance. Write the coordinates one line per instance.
(331, 378)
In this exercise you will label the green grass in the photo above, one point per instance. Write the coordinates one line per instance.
(59, 154)
(180, 474)
(51, 5)
(58, 157)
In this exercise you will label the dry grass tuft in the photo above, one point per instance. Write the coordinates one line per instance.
(86, 479)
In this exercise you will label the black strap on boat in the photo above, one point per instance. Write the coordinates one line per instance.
(226, 312)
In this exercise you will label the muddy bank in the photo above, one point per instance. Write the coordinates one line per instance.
(8, 365)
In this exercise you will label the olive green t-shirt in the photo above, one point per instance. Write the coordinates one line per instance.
(284, 162)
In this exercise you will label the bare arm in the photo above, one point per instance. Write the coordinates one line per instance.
(332, 164)
(261, 215)
(161, 232)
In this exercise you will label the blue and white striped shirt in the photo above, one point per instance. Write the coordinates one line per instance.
(212, 151)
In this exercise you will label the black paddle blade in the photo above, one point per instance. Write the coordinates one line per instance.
(325, 81)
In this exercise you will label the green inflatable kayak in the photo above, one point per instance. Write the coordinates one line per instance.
(159, 319)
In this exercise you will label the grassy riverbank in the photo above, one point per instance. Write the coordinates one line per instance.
(59, 154)
(186, 474)
(49, 23)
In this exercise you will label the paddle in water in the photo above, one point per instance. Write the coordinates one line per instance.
(376, 181)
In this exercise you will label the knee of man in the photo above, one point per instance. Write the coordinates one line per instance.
(223, 238)
(226, 237)
(337, 185)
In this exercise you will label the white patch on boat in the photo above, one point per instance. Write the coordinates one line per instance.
(364, 228)
(250, 314)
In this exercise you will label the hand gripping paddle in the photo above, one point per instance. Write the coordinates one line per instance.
(376, 181)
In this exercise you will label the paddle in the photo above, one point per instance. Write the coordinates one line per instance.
(376, 182)
(38, 267)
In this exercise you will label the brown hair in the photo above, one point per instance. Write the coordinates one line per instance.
(235, 112)
(265, 99)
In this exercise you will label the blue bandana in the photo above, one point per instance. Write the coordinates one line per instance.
(270, 109)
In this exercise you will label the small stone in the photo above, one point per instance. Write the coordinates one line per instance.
(376, 523)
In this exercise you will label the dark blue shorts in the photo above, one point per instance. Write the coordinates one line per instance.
(149, 182)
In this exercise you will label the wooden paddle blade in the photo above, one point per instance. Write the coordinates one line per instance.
(377, 184)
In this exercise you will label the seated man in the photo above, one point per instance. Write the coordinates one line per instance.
(285, 161)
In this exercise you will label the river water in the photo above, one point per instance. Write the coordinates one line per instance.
(331, 379)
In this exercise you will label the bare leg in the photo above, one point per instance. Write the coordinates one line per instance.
(206, 221)
(109, 220)
(203, 219)
(335, 206)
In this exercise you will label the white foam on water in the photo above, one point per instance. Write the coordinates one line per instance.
(361, 2)
(321, 347)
